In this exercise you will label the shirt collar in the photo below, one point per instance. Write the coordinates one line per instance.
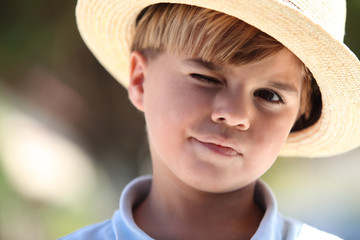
(271, 226)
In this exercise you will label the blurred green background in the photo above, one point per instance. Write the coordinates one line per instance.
(70, 140)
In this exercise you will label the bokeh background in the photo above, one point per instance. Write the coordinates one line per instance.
(70, 140)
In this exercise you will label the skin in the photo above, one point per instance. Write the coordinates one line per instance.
(213, 131)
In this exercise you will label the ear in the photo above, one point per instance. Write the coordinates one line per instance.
(138, 66)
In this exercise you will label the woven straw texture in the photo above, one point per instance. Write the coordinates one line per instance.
(312, 29)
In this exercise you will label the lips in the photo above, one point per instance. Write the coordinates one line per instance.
(219, 148)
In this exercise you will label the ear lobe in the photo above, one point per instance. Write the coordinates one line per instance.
(138, 66)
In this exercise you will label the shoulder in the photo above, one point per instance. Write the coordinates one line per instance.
(102, 230)
(296, 230)
(308, 233)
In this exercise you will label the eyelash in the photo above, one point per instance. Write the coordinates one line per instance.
(206, 79)
(211, 80)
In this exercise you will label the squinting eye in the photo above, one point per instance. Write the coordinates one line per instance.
(269, 96)
(205, 78)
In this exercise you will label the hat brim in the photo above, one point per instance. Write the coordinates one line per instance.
(108, 26)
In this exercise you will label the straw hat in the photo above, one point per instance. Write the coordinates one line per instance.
(312, 29)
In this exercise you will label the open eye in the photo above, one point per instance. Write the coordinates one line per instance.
(206, 79)
(269, 95)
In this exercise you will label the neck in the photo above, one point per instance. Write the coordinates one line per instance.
(189, 213)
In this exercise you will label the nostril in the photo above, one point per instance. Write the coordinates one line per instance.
(244, 126)
(240, 123)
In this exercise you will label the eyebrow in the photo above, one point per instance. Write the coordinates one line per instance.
(284, 86)
(199, 62)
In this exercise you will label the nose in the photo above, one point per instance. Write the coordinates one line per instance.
(231, 110)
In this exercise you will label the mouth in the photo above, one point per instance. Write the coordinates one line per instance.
(226, 151)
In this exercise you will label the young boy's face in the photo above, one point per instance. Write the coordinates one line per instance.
(216, 128)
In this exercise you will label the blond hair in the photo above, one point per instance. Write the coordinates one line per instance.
(186, 30)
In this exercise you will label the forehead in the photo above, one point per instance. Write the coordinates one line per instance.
(280, 62)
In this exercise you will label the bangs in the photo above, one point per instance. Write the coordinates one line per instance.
(185, 30)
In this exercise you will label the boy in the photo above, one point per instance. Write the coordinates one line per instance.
(221, 100)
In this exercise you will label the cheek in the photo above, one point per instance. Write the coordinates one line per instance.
(273, 130)
(269, 137)
(172, 107)
(177, 102)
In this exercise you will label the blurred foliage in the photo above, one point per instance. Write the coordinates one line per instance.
(352, 36)
(32, 30)
(21, 218)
